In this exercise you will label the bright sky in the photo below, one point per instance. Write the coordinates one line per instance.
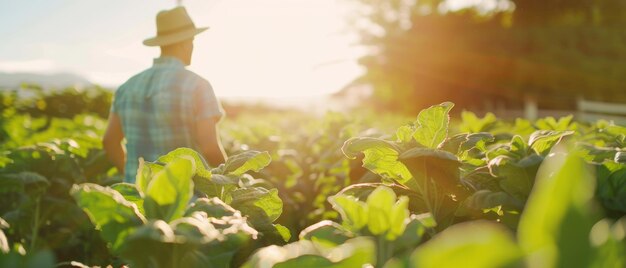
(269, 48)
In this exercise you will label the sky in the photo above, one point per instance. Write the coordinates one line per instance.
(264, 48)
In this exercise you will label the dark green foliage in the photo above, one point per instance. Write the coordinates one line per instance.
(172, 233)
(551, 51)
(416, 200)
(35, 183)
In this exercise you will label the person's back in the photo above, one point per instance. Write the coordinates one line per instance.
(157, 110)
(166, 106)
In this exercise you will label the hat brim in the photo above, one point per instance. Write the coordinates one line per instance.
(169, 39)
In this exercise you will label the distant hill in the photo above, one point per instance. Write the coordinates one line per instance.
(47, 81)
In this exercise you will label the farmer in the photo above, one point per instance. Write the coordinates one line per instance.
(166, 106)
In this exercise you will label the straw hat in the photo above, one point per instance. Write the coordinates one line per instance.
(173, 26)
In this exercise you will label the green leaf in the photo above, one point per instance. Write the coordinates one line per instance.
(426, 152)
(516, 178)
(352, 147)
(471, 122)
(170, 190)
(182, 152)
(213, 207)
(130, 193)
(550, 123)
(218, 186)
(477, 140)
(486, 199)
(247, 161)
(283, 231)
(596, 154)
(453, 144)
(554, 227)
(404, 134)
(38, 259)
(432, 125)
(24, 182)
(608, 239)
(465, 142)
(195, 230)
(414, 232)
(115, 217)
(471, 244)
(518, 148)
(353, 212)
(611, 190)
(481, 179)
(356, 252)
(145, 173)
(543, 140)
(250, 200)
(397, 220)
(213, 185)
(426, 165)
(326, 233)
(379, 209)
(150, 245)
(381, 157)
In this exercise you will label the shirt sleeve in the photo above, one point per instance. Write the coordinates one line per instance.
(115, 102)
(206, 104)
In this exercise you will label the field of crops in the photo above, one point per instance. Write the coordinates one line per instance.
(302, 191)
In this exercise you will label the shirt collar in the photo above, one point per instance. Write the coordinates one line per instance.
(168, 61)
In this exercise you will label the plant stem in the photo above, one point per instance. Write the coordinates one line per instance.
(380, 251)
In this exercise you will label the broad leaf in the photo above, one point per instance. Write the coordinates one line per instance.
(432, 125)
(115, 217)
(414, 232)
(477, 140)
(247, 161)
(399, 213)
(471, 244)
(381, 157)
(486, 199)
(145, 173)
(353, 212)
(326, 233)
(352, 147)
(356, 252)
(262, 207)
(426, 164)
(554, 227)
(472, 123)
(611, 190)
(24, 182)
(170, 190)
(218, 186)
(379, 209)
(543, 140)
(130, 193)
(213, 207)
(256, 201)
(404, 134)
(516, 178)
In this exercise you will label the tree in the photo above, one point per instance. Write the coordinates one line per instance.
(425, 52)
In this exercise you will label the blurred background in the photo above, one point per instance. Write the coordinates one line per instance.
(279, 67)
(515, 58)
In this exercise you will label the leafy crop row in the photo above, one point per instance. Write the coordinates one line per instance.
(333, 193)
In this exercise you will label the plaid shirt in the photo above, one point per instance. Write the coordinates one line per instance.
(159, 108)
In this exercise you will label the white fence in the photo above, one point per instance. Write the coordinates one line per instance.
(594, 110)
(586, 111)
